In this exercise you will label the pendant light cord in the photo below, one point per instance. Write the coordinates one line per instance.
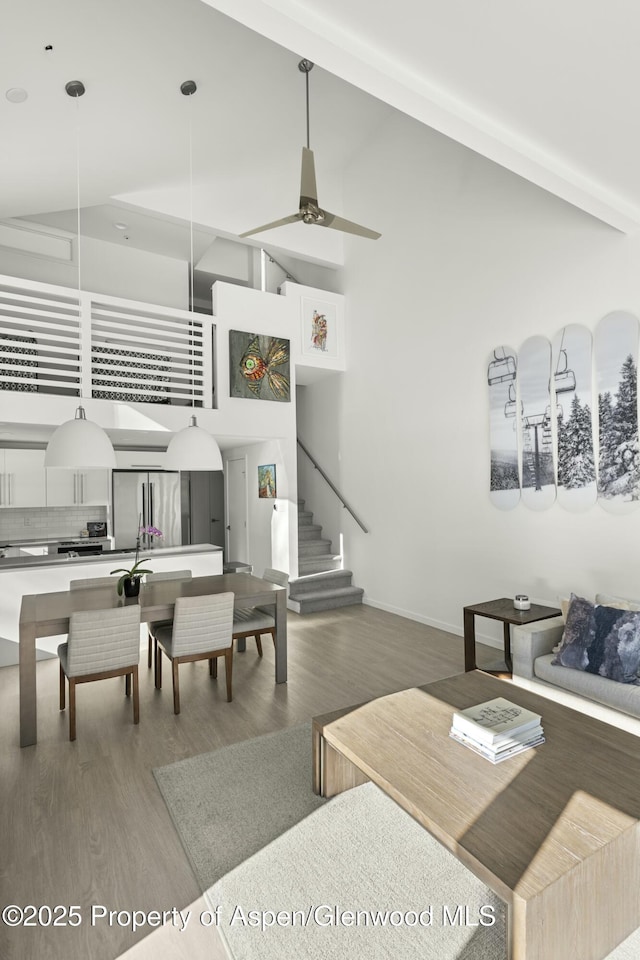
(191, 201)
(77, 99)
(307, 85)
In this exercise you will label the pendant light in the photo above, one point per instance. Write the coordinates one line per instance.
(192, 448)
(79, 443)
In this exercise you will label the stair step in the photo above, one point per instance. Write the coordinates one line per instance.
(328, 579)
(310, 531)
(304, 517)
(318, 564)
(313, 548)
(326, 600)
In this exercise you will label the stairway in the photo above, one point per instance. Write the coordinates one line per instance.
(322, 585)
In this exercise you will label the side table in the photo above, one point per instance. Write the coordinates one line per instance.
(505, 611)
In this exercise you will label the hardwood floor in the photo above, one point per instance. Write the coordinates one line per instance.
(83, 823)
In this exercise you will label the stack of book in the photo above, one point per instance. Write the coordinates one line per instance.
(497, 729)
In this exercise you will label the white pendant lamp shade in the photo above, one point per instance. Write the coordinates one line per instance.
(192, 448)
(80, 444)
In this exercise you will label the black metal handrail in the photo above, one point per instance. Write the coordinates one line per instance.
(332, 485)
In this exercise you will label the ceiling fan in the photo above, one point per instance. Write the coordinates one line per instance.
(309, 211)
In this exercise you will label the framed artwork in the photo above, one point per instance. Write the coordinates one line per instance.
(267, 481)
(319, 333)
(259, 366)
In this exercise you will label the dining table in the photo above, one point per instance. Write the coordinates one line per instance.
(47, 615)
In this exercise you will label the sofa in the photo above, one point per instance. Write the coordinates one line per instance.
(532, 648)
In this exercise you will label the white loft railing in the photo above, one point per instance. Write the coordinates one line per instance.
(54, 342)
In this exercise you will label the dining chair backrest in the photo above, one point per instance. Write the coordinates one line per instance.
(168, 575)
(93, 582)
(276, 576)
(103, 640)
(202, 623)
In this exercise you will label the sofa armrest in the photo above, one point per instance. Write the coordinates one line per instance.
(534, 640)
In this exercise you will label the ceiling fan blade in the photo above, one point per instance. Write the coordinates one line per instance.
(270, 226)
(308, 189)
(339, 223)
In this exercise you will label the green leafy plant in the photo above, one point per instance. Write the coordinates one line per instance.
(135, 571)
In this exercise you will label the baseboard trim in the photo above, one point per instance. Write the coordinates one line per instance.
(431, 622)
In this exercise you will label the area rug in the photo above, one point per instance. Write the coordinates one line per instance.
(228, 804)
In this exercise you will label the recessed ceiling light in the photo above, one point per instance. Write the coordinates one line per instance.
(119, 225)
(16, 95)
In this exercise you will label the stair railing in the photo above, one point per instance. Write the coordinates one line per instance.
(332, 485)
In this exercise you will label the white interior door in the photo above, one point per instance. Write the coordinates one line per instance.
(236, 504)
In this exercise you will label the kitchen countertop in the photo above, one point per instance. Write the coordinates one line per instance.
(17, 563)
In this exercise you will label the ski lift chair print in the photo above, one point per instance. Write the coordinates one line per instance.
(510, 405)
(564, 379)
(501, 369)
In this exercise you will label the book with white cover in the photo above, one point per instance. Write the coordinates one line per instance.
(494, 720)
(506, 743)
(496, 756)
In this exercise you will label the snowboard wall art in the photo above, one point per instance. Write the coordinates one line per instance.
(534, 373)
(502, 380)
(571, 384)
(616, 356)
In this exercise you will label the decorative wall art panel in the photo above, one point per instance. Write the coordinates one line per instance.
(616, 357)
(319, 333)
(572, 387)
(534, 374)
(259, 366)
(267, 481)
(502, 369)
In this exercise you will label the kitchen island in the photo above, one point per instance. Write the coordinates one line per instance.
(20, 576)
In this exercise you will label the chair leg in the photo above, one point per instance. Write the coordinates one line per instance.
(228, 668)
(213, 668)
(127, 685)
(136, 695)
(258, 644)
(176, 686)
(158, 661)
(62, 688)
(273, 637)
(72, 709)
(149, 646)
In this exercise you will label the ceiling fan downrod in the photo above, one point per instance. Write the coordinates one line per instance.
(306, 66)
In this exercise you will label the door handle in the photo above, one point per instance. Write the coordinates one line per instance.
(10, 476)
(229, 526)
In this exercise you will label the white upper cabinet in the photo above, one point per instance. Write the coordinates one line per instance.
(22, 480)
(72, 488)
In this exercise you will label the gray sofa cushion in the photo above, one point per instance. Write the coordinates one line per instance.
(619, 696)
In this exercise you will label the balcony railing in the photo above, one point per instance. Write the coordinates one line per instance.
(53, 341)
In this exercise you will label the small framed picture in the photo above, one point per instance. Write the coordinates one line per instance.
(267, 481)
(319, 333)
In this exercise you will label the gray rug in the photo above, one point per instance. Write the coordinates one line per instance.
(358, 878)
(228, 804)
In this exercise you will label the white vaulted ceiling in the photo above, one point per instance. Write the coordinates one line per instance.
(547, 90)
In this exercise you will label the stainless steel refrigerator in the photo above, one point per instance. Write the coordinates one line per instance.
(145, 498)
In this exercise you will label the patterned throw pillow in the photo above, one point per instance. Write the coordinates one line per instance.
(579, 633)
(615, 651)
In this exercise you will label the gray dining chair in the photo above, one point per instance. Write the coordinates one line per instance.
(100, 644)
(254, 621)
(201, 630)
(152, 627)
(93, 582)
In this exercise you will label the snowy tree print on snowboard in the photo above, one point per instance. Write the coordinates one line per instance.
(502, 367)
(616, 353)
(538, 476)
(572, 387)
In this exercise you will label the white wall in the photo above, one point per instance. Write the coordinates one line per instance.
(471, 256)
(108, 268)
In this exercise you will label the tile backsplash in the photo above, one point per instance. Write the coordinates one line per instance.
(34, 523)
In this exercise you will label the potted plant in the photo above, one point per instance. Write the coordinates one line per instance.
(129, 582)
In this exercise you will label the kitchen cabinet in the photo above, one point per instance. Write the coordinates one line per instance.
(22, 480)
(76, 487)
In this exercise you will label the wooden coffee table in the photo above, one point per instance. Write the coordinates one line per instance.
(553, 831)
